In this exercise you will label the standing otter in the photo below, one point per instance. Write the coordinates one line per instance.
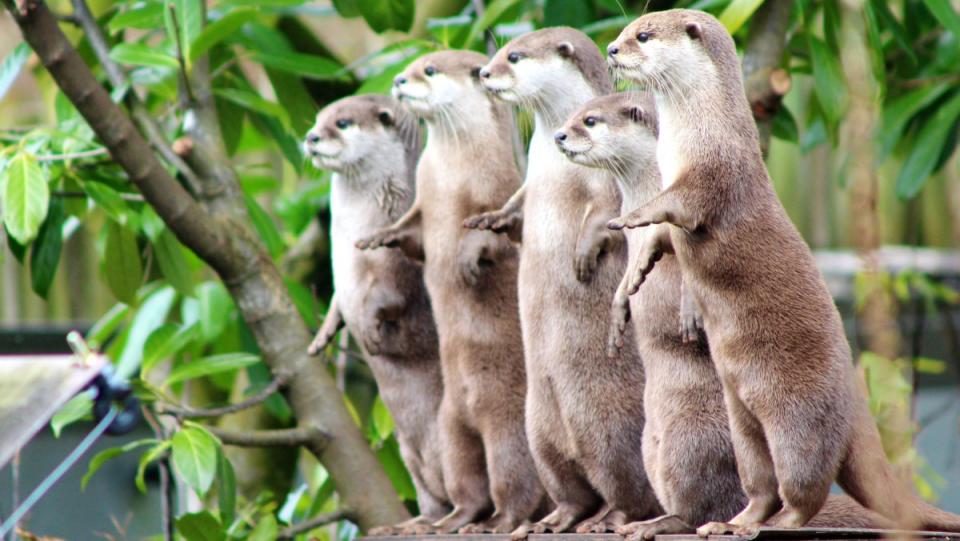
(372, 145)
(687, 450)
(467, 167)
(587, 447)
(797, 410)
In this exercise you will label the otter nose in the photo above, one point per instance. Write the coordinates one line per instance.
(559, 137)
(313, 137)
(399, 80)
(485, 73)
(612, 50)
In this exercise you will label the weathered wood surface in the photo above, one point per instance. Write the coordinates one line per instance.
(764, 534)
(32, 389)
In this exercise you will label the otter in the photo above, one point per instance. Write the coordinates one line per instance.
(687, 450)
(797, 411)
(467, 167)
(587, 447)
(371, 145)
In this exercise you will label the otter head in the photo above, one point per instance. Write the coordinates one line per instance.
(616, 132)
(359, 129)
(674, 51)
(439, 82)
(542, 65)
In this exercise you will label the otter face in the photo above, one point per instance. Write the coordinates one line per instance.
(439, 81)
(532, 65)
(352, 129)
(664, 50)
(610, 131)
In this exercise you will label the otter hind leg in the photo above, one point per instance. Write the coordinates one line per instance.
(464, 472)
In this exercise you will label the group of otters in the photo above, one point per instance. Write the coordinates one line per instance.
(520, 406)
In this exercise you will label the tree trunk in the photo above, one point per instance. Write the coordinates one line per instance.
(220, 232)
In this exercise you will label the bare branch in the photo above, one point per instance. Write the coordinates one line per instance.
(198, 413)
(73, 155)
(132, 197)
(118, 79)
(315, 522)
(309, 437)
(766, 83)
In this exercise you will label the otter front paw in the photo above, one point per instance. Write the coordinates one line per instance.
(497, 221)
(638, 218)
(619, 319)
(385, 238)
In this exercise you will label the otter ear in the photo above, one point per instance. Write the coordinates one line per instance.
(633, 112)
(475, 72)
(694, 30)
(565, 48)
(386, 117)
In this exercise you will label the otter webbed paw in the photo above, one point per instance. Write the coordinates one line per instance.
(647, 530)
(385, 238)
(725, 528)
(508, 222)
(619, 319)
(331, 326)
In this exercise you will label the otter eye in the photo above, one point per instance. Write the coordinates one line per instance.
(430, 71)
(590, 122)
(643, 36)
(344, 123)
(513, 58)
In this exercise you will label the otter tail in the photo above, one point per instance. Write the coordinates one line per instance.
(869, 478)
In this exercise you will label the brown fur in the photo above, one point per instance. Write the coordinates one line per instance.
(380, 296)
(798, 415)
(587, 447)
(467, 167)
(687, 450)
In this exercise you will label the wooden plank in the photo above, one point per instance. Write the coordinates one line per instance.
(33, 389)
(764, 534)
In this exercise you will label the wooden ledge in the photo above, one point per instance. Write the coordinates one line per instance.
(764, 534)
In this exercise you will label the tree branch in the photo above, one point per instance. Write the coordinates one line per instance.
(118, 79)
(315, 522)
(309, 437)
(73, 155)
(765, 81)
(206, 413)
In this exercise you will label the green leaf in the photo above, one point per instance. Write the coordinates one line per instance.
(574, 13)
(107, 199)
(737, 12)
(942, 10)
(152, 314)
(220, 30)
(100, 458)
(289, 146)
(784, 126)
(231, 118)
(121, 263)
(381, 418)
(164, 342)
(251, 101)
(926, 365)
(306, 65)
(303, 300)
(383, 15)
(11, 66)
(214, 305)
(25, 197)
(881, 10)
(265, 226)
(145, 459)
(195, 457)
(45, 254)
(389, 456)
(78, 408)
(170, 258)
(347, 8)
(493, 13)
(202, 526)
(145, 17)
(226, 488)
(927, 147)
(101, 331)
(215, 364)
(266, 529)
(898, 113)
(139, 54)
(190, 19)
(828, 80)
